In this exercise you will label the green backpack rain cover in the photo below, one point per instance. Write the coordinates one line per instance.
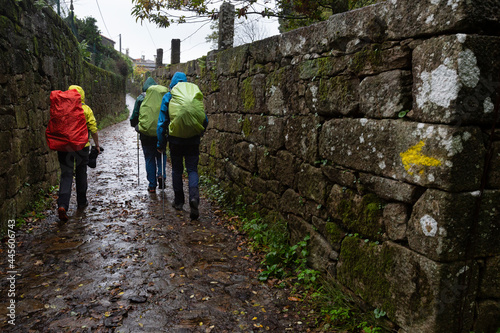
(150, 109)
(186, 111)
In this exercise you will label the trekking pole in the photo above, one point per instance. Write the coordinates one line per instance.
(163, 186)
(138, 179)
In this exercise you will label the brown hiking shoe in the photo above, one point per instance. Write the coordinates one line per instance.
(62, 214)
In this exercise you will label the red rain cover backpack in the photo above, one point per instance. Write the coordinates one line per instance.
(67, 128)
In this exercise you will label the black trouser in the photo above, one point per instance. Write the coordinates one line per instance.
(69, 161)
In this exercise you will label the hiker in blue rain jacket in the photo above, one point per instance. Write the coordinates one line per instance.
(181, 149)
(152, 157)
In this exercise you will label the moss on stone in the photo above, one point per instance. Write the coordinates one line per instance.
(368, 57)
(246, 128)
(365, 269)
(362, 217)
(336, 87)
(334, 233)
(248, 95)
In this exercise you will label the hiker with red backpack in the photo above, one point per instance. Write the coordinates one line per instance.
(182, 122)
(144, 119)
(70, 122)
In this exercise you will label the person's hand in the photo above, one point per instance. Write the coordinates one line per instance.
(161, 151)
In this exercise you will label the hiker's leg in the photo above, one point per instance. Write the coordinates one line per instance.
(66, 161)
(81, 162)
(191, 158)
(149, 156)
(176, 157)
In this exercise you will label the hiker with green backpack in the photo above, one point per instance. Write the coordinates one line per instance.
(144, 119)
(182, 122)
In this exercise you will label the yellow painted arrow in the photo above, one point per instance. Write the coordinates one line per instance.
(414, 157)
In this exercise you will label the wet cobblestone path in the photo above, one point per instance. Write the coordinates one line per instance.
(124, 266)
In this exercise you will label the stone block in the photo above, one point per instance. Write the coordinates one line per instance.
(311, 183)
(275, 101)
(321, 255)
(232, 61)
(330, 231)
(441, 156)
(443, 226)
(286, 168)
(6, 140)
(488, 316)
(321, 67)
(252, 93)
(265, 50)
(274, 129)
(338, 95)
(266, 163)
(438, 17)
(418, 294)
(292, 202)
(374, 59)
(455, 79)
(356, 213)
(390, 189)
(253, 128)
(340, 176)
(494, 169)
(396, 218)
(365, 24)
(489, 284)
(271, 200)
(301, 137)
(302, 41)
(227, 99)
(278, 92)
(386, 94)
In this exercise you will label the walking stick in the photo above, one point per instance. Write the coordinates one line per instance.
(138, 179)
(163, 186)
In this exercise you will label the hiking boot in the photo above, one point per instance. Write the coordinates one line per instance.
(151, 190)
(62, 214)
(177, 206)
(193, 203)
(83, 206)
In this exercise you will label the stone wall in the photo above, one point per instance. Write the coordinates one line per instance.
(39, 54)
(372, 132)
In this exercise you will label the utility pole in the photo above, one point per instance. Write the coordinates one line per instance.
(120, 42)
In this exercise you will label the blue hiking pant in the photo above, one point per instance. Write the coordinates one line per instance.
(153, 163)
(188, 155)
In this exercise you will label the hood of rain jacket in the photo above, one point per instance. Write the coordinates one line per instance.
(178, 77)
(80, 91)
(149, 82)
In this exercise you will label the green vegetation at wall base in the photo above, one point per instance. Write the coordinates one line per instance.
(321, 301)
(113, 119)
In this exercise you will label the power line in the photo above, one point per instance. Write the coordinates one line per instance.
(196, 31)
(150, 35)
(97, 2)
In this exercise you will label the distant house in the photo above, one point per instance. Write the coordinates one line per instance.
(147, 64)
(108, 42)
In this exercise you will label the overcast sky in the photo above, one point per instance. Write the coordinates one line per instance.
(114, 19)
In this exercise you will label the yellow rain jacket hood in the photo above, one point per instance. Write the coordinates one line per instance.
(89, 115)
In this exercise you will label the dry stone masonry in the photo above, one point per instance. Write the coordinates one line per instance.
(372, 132)
(39, 54)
